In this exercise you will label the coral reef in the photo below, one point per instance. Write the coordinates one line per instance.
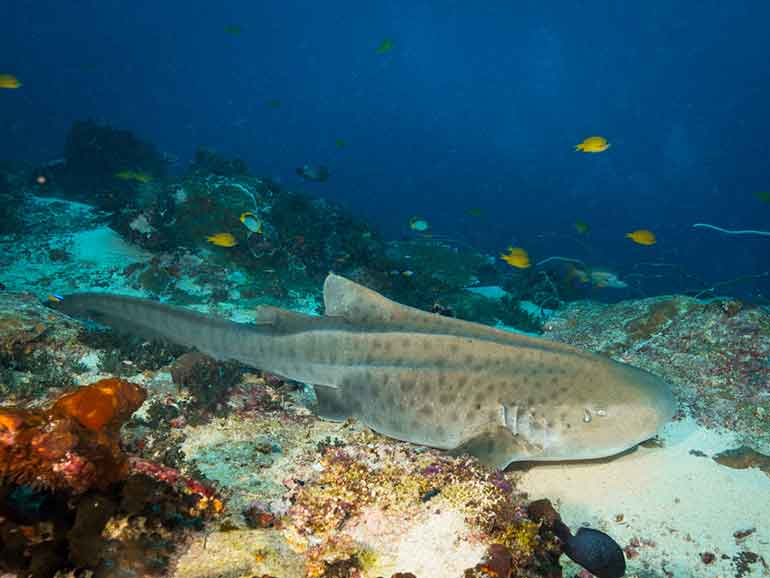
(359, 495)
(74, 444)
(11, 202)
(208, 381)
(38, 350)
(95, 155)
(208, 162)
(132, 528)
(122, 354)
(716, 351)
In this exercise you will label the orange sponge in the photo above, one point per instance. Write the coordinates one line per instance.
(103, 405)
(74, 445)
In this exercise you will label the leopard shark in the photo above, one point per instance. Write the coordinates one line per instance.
(421, 377)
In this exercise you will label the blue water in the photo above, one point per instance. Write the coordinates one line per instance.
(478, 105)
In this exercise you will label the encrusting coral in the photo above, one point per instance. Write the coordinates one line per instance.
(74, 444)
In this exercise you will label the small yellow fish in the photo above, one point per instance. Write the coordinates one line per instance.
(55, 298)
(474, 212)
(274, 103)
(251, 222)
(763, 196)
(593, 144)
(385, 46)
(233, 30)
(516, 257)
(222, 240)
(340, 143)
(642, 237)
(582, 227)
(9, 81)
(137, 176)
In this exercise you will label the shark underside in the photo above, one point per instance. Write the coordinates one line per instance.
(421, 377)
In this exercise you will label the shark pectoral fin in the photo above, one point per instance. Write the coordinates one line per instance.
(495, 448)
(330, 403)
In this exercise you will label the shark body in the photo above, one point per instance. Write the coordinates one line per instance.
(421, 377)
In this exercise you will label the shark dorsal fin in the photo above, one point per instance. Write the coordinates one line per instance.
(358, 304)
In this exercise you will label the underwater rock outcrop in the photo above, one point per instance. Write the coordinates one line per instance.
(208, 162)
(104, 166)
(74, 444)
(11, 200)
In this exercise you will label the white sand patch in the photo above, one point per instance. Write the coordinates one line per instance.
(493, 292)
(683, 503)
(106, 247)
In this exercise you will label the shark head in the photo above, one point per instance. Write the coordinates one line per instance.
(621, 407)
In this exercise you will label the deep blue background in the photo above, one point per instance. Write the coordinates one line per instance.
(479, 104)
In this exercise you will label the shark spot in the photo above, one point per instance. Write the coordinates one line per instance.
(425, 411)
(385, 379)
(407, 384)
(453, 348)
(446, 397)
(462, 381)
(406, 343)
(441, 379)
(376, 344)
(468, 359)
(426, 344)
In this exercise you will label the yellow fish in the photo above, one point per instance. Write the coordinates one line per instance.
(593, 144)
(582, 227)
(474, 212)
(222, 240)
(9, 81)
(385, 46)
(134, 176)
(642, 237)
(340, 142)
(763, 196)
(516, 257)
(251, 222)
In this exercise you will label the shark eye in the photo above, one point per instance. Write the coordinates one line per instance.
(586, 415)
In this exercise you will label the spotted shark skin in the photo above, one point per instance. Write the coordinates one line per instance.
(423, 378)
